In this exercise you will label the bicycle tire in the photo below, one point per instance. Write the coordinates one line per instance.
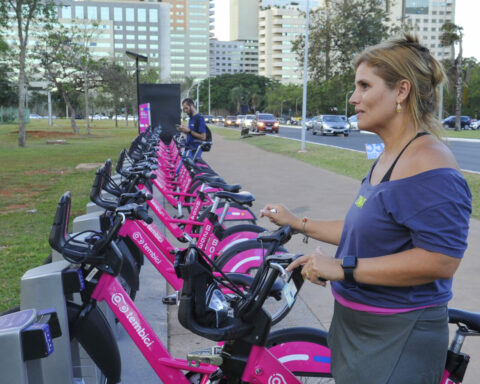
(304, 351)
(249, 256)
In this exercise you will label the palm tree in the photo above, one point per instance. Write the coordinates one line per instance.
(451, 34)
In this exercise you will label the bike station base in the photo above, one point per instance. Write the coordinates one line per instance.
(42, 287)
(89, 221)
(14, 368)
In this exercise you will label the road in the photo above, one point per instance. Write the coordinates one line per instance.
(467, 152)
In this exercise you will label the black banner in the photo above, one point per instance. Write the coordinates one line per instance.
(165, 108)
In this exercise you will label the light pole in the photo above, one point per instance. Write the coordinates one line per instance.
(137, 57)
(209, 95)
(281, 108)
(346, 103)
(305, 78)
(198, 97)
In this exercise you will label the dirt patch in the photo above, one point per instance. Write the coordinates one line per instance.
(36, 172)
(14, 208)
(16, 191)
(46, 134)
(88, 166)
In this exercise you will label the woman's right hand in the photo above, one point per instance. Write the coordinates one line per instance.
(279, 215)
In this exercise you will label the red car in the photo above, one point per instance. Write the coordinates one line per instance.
(265, 122)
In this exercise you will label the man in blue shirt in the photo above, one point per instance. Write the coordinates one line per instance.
(196, 129)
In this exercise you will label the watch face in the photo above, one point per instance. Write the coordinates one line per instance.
(349, 262)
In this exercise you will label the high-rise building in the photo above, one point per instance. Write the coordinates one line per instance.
(302, 4)
(189, 38)
(243, 20)
(141, 27)
(278, 28)
(426, 17)
(240, 56)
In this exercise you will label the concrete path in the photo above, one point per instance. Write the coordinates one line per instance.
(307, 191)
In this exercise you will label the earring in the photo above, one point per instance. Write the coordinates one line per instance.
(399, 108)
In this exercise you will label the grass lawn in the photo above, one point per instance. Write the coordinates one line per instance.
(33, 178)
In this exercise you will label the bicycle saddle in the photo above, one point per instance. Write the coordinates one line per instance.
(241, 197)
(209, 178)
(470, 319)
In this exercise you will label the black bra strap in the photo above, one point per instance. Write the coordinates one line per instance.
(387, 175)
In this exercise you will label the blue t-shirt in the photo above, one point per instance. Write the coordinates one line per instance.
(430, 210)
(196, 123)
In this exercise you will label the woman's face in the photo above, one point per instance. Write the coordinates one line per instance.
(374, 102)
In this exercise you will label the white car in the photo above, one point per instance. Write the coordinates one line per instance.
(247, 121)
(353, 122)
(475, 124)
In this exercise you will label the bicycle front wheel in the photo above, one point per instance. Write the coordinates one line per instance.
(304, 351)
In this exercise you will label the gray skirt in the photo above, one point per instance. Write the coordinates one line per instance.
(409, 347)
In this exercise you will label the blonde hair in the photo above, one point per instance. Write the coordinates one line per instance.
(405, 58)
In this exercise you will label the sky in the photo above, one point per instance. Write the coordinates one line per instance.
(466, 15)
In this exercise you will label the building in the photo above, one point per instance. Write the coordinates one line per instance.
(239, 56)
(278, 28)
(243, 20)
(302, 4)
(190, 24)
(141, 27)
(426, 17)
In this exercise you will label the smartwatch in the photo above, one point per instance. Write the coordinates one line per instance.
(349, 263)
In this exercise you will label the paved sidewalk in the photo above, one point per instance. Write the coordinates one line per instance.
(307, 191)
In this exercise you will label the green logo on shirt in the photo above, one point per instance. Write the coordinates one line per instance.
(360, 201)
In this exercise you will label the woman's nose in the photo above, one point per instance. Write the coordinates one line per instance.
(354, 99)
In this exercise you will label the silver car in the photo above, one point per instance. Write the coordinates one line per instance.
(331, 124)
(247, 121)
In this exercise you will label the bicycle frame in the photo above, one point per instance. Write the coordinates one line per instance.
(167, 368)
(264, 366)
(155, 246)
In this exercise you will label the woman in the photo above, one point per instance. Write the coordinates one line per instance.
(403, 237)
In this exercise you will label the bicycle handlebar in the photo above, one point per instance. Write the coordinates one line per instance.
(192, 266)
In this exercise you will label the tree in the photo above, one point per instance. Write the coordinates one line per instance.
(338, 31)
(83, 34)
(7, 87)
(23, 14)
(451, 34)
(251, 91)
(119, 82)
(57, 52)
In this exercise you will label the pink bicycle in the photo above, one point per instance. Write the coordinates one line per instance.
(249, 354)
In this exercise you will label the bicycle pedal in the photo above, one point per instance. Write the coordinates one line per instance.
(210, 355)
(170, 299)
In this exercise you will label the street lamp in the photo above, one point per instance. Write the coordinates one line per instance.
(305, 78)
(346, 103)
(137, 57)
(281, 107)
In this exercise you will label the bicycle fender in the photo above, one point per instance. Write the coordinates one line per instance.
(96, 337)
(129, 270)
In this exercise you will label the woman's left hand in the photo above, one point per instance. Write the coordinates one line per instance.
(318, 267)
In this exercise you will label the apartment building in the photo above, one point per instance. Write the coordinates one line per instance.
(141, 27)
(302, 4)
(426, 17)
(243, 20)
(190, 25)
(278, 28)
(231, 57)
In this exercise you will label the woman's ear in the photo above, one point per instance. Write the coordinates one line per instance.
(403, 90)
